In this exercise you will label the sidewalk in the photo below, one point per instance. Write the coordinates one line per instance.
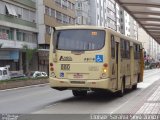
(149, 100)
(152, 104)
(145, 102)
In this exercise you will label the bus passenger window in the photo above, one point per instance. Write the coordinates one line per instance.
(112, 46)
(136, 51)
(127, 50)
(122, 49)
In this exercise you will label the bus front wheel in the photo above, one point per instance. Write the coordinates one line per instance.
(79, 92)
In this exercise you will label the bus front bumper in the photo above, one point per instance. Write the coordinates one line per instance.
(83, 84)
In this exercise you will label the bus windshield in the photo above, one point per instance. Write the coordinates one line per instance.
(80, 40)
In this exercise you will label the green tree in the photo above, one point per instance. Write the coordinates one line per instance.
(29, 56)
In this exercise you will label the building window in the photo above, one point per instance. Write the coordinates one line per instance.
(26, 36)
(58, 16)
(111, 4)
(46, 10)
(65, 19)
(64, 4)
(2, 7)
(10, 34)
(58, 2)
(52, 13)
(6, 34)
(26, 14)
(73, 6)
(71, 20)
(69, 5)
(47, 29)
(32, 16)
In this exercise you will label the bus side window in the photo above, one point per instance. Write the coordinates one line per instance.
(112, 46)
(136, 51)
(122, 49)
(127, 50)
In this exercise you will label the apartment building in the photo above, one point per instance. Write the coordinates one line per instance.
(118, 18)
(129, 26)
(52, 13)
(151, 47)
(100, 12)
(17, 28)
(133, 28)
(82, 12)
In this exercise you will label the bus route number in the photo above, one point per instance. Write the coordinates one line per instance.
(65, 67)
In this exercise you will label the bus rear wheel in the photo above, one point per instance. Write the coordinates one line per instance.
(79, 92)
(121, 92)
(134, 87)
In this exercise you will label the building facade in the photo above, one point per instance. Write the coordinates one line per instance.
(118, 18)
(151, 47)
(82, 12)
(17, 29)
(129, 26)
(100, 12)
(52, 13)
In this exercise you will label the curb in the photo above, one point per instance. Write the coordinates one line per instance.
(21, 83)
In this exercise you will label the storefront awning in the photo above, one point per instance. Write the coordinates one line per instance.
(11, 10)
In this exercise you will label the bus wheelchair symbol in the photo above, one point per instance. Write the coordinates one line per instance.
(99, 58)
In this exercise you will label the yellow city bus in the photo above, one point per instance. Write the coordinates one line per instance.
(89, 58)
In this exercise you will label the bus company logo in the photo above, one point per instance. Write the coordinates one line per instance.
(66, 58)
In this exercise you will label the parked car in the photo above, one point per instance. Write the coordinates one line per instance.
(17, 75)
(152, 65)
(36, 74)
(4, 73)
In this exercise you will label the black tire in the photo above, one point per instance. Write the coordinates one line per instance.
(134, 87)
(122, 91)
(79, 92)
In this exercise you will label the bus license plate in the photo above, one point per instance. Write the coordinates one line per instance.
(78, 75)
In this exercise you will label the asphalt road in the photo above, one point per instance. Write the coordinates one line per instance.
(44, 100)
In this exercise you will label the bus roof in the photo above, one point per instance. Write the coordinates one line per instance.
(99, 28)
(79, 27)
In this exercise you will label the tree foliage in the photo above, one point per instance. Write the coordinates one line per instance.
(29, 56)
(1, 44)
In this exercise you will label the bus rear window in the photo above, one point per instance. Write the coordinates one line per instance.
(80, 40)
